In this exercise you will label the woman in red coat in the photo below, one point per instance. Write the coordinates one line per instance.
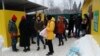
(60, 30)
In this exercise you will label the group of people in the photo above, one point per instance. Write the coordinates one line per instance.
(77, 26)
(28, 29)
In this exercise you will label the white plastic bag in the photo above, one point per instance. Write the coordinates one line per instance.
(43, 33)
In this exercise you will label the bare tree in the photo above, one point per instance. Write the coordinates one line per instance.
(51, 3)
(65, 4)
(79, 7)
(75, 7)
(68, 8)
(55, 10)
(70, 4)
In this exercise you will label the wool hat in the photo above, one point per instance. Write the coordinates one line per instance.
(14, 18)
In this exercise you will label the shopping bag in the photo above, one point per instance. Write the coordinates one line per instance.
(43, 33)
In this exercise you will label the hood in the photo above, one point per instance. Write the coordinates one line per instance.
(53, 19)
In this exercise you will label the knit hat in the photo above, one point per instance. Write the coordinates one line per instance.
(14, 18)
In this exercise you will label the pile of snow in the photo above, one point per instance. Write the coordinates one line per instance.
(1, 42)
(85, 46)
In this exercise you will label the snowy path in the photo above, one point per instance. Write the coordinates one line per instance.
(58, 51)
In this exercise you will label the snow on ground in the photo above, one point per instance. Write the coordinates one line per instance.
(58, 50)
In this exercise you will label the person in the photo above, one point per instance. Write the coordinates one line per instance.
(84, 26)
(24, 34)
(50, 34)
(88, 24)
(70, 26)
(78, 21)
(66, 24)
(45, 24)
(60, 30)
(32, 29)
(12, 28)
(38, 25)
(45, 21)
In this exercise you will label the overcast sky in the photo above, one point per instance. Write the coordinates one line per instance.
(57, 2)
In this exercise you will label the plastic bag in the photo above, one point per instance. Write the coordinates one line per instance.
(43, 33)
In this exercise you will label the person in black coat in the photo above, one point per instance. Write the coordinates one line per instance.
(84, 27)
(64, 33)
(24, 34)
(88, 29)
(70, 26)
(32, 29)
(78, 21)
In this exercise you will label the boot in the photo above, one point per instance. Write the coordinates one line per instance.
(49, 53)
(59, 45)
(28, 49)
(62, 43)
(16, 50)
(38, 48)
(25, 50)
(33, 42)
(44, 46)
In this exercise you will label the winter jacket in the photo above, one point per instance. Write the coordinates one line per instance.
(50, 29)
(78, 22)
(60, 27)
(12, 28)
(38, 25)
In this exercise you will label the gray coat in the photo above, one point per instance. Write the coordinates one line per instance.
(12, 28)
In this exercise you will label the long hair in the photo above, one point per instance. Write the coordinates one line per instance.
(86, 16)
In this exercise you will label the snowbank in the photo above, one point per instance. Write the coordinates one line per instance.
(85, 46)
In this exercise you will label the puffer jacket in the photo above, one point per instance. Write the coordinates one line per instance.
(50, 29)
